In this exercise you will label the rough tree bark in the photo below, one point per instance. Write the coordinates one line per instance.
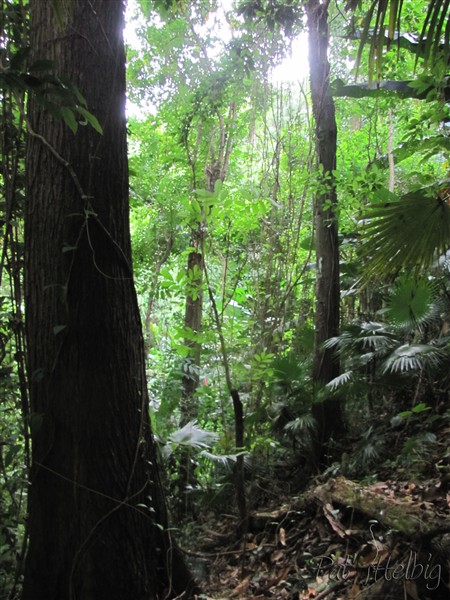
(193, 322)
(97, 522)
(325, 364)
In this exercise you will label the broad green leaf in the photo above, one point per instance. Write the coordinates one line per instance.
(204, 194)
(90, 118)
(420, 408)
(69, 118)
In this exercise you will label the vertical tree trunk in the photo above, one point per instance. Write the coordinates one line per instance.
(191, 373)
(98, 523)
(325, 364)
(193, 322)
(215, 170)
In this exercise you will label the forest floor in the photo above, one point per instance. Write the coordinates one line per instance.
(386, 537)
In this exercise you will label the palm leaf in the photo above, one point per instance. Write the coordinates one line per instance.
(435, 30)
(420, 88)
(408, 233)
(192, 436)
(412, 303)
(427, 147)
(413, 357)
(436, 24)
(361, 336)
(222, 459)
(340, 380)
(301, 424)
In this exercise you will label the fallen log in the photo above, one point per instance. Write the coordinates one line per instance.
(413, 519)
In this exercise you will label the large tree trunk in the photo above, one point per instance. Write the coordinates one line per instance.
(97, 523)
(325, 364)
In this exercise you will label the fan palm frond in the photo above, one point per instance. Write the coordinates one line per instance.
(333, 342)
(412, 303)
(413, 357)
(226, 460)
(377, 343)
(302, 424)
(192, 436)
(361, 336)
(407, 233)
(340, 380)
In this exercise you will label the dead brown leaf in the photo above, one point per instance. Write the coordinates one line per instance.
(277, 556)
(337, 527)
(241, 588)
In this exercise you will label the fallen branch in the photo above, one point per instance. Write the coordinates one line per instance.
(412, 519)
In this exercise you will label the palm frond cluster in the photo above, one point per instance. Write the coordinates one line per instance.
(411, 342)
(382, 25)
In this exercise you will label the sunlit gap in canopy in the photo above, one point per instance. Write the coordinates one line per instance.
(293, 69)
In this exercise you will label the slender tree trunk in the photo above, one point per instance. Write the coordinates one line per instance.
(215, 170)
(239, 424)
(191, 373)
(325, 364)
(192, 322)
(98, 522)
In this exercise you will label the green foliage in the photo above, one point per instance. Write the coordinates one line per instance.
(411, 303)
(382, 24)
(407, 345)
(407, 233)
(251, 217)
(258, 222)
(416, 410)
(283, 15)
(13, 468)
(14, 412)
(59, 96)
(414, 357)
(415, 448)
(367, 452)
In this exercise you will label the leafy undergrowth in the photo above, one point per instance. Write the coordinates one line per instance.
(303, 547)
